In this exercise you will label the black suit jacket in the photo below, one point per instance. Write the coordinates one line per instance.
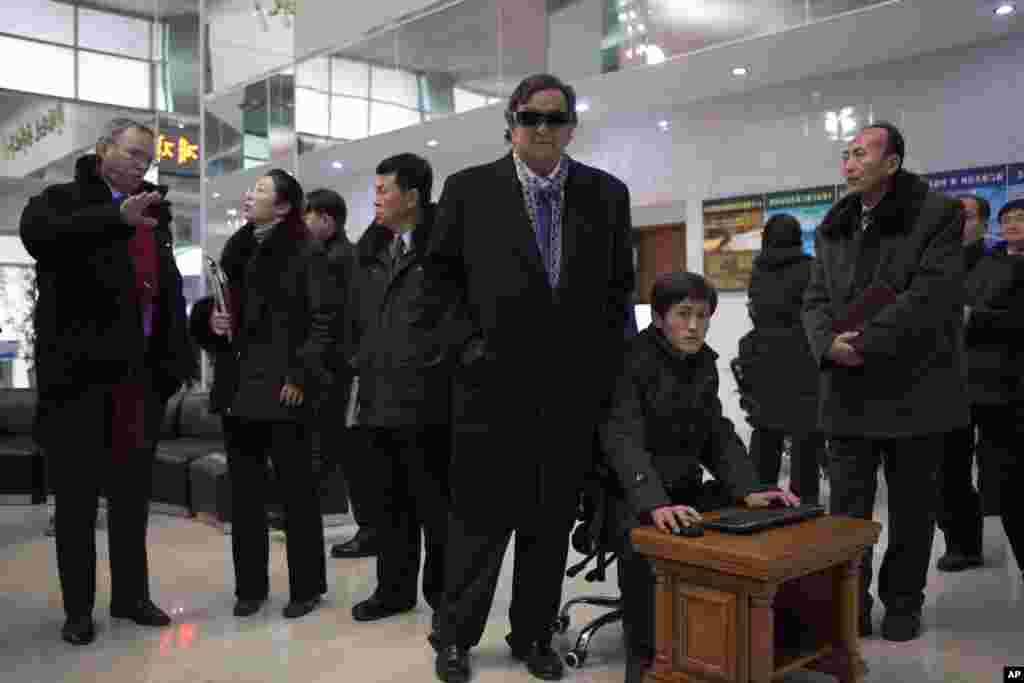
(535, 365)
(88, 329)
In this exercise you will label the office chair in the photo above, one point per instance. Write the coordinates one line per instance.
(591, 539)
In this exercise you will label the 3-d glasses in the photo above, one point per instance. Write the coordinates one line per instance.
(534, 119)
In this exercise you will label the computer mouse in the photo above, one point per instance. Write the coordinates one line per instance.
(692, 531)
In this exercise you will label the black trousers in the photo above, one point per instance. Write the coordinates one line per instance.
(1012, 512)
(806, 458)
(411, 464)
(959, 513)
(82, 469)
(911, 467)
(249, 443)
(347, 448)
(473, 560)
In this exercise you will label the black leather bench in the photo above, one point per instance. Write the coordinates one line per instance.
(22, 466)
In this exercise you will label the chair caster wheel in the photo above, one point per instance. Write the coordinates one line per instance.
(575, 659)
(562, 624)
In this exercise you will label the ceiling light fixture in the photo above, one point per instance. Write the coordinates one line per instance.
(663, 124)
(582, 106)
(216, 195)
(432, 143)
(1005, 9)
(337, 164)
(740, 71)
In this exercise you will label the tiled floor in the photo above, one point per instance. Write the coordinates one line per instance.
(974, 622)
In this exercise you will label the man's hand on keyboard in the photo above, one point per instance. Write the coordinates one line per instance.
(765, 498)
(670, 517)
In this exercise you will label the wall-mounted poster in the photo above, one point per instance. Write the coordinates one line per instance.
(987, 181)
(732, 238)
(809, 206)
(1015, 182)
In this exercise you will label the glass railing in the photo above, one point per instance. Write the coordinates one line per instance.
(459, 57)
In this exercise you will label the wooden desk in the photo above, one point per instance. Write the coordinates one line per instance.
(716, 598)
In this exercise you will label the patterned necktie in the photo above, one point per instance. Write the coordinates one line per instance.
(547, 195)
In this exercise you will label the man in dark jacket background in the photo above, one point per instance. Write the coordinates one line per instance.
(341, 446)
(959, 513)
(782, 376)
(403, 391)
(112, 346)
(883, 314)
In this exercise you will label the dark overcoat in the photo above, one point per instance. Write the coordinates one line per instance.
(339, 261)
(404, 370)
(89, 330)
(285, 314)
(781, 372)
(994, 286)
(536, 364)
(912, 381)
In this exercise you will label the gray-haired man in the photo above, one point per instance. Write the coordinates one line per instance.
(112, 346)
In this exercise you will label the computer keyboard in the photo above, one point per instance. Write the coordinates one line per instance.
(749, 521)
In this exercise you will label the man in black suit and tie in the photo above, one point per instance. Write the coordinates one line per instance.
(536, 246)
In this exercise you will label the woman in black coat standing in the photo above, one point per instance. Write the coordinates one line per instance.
(782, 375)
(269, 347)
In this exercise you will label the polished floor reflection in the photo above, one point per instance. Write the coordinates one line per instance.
(974, 622)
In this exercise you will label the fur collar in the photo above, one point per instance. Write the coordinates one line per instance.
(895, 213)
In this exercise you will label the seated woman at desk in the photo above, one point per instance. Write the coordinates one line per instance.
(665, 423)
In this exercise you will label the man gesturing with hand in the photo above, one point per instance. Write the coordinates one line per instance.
(112, 346)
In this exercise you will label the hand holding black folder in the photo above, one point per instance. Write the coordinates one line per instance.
(868, 305)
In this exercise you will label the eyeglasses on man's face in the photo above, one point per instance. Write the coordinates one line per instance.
(535, 119)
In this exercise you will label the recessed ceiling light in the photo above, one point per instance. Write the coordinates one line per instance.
(216, 195)
(337, 164)
(232, 212)
(1005, 9)
(432, 143)
(663, 124)
(582, 106)
(740, 71)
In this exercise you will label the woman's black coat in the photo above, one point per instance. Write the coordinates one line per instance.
(280, 295)
(781, 371)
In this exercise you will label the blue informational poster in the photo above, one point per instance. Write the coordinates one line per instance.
(1015, 182)
(809, 206)
(985, 181)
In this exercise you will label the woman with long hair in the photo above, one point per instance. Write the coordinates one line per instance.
(269, 346)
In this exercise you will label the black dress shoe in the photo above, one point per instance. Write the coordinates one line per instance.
(78, 631)
(247, 608)
(958, 562)
(363, 544)
(144, 613)
(373, 609)
(452, 664)
(541, 660)
(901, 627)
(300, 608)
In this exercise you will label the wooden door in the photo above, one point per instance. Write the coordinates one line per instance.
(657, 249)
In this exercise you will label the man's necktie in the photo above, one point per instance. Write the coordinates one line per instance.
(547, 195)
(397, 252)
(867, 257)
